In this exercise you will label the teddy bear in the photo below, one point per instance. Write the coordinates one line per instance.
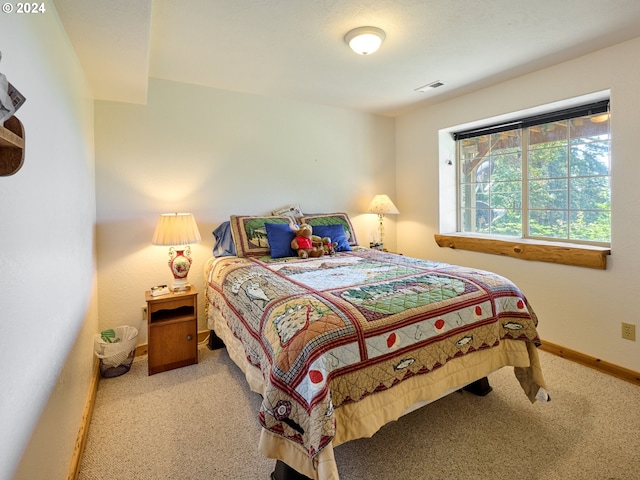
(325, 244)
(328, 246)
(303, 242)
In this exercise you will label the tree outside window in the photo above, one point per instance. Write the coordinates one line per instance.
(545, 181)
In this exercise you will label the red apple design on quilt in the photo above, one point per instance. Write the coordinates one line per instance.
(393, 340)
(316, 376)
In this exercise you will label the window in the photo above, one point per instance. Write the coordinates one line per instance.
(544, 177)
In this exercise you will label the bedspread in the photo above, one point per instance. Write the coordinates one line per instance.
(331, 331)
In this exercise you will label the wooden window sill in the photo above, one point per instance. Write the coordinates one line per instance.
(527, 249)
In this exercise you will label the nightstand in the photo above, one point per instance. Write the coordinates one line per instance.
(172, 328)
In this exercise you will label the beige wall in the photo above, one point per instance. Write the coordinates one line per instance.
(47, 255)
(215, 153)
(578, 308)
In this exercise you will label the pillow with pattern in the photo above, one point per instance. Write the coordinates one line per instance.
(290, 211)
(333, 219)
(250, 234)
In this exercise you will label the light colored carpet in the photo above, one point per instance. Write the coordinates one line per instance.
(199, 422)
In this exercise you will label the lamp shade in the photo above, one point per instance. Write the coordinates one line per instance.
(175, 229)
(365, 40)
(382, 204)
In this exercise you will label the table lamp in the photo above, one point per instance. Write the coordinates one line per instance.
(177, 231)
(380, 205)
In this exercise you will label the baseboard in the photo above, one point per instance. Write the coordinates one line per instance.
(592, 362)
(83, 431)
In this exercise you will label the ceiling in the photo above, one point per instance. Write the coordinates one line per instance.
(295, 49)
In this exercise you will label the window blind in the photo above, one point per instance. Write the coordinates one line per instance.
(554, 116)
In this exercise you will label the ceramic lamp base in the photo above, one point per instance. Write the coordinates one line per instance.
(180, 285)
(179, 263)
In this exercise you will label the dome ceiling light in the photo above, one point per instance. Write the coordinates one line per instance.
(365, 40)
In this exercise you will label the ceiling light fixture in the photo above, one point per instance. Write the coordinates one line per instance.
(365, 40)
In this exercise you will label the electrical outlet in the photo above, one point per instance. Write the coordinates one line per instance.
(144, 313)
(629, 331)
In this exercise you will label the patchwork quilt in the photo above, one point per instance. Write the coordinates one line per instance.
(331, 331)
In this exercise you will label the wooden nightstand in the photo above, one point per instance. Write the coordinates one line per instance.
(172, 328)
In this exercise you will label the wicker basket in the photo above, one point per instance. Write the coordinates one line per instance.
(116, 357)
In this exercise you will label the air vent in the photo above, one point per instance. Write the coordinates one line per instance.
(429, 86)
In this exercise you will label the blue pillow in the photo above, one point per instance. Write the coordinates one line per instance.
(279, 236)
(223, 246)
(336, 234)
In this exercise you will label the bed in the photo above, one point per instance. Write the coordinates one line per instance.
(340, 345)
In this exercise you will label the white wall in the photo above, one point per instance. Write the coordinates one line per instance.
(215, 153)
(47, 257)
(578, 308)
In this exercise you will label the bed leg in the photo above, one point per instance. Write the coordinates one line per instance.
(214, 341)
(285, 472)
(479, 387)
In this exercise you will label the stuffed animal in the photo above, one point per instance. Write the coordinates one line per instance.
(303, 242)
(328, 246)
(325, 244)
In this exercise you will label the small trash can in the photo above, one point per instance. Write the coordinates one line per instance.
(116, 348)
